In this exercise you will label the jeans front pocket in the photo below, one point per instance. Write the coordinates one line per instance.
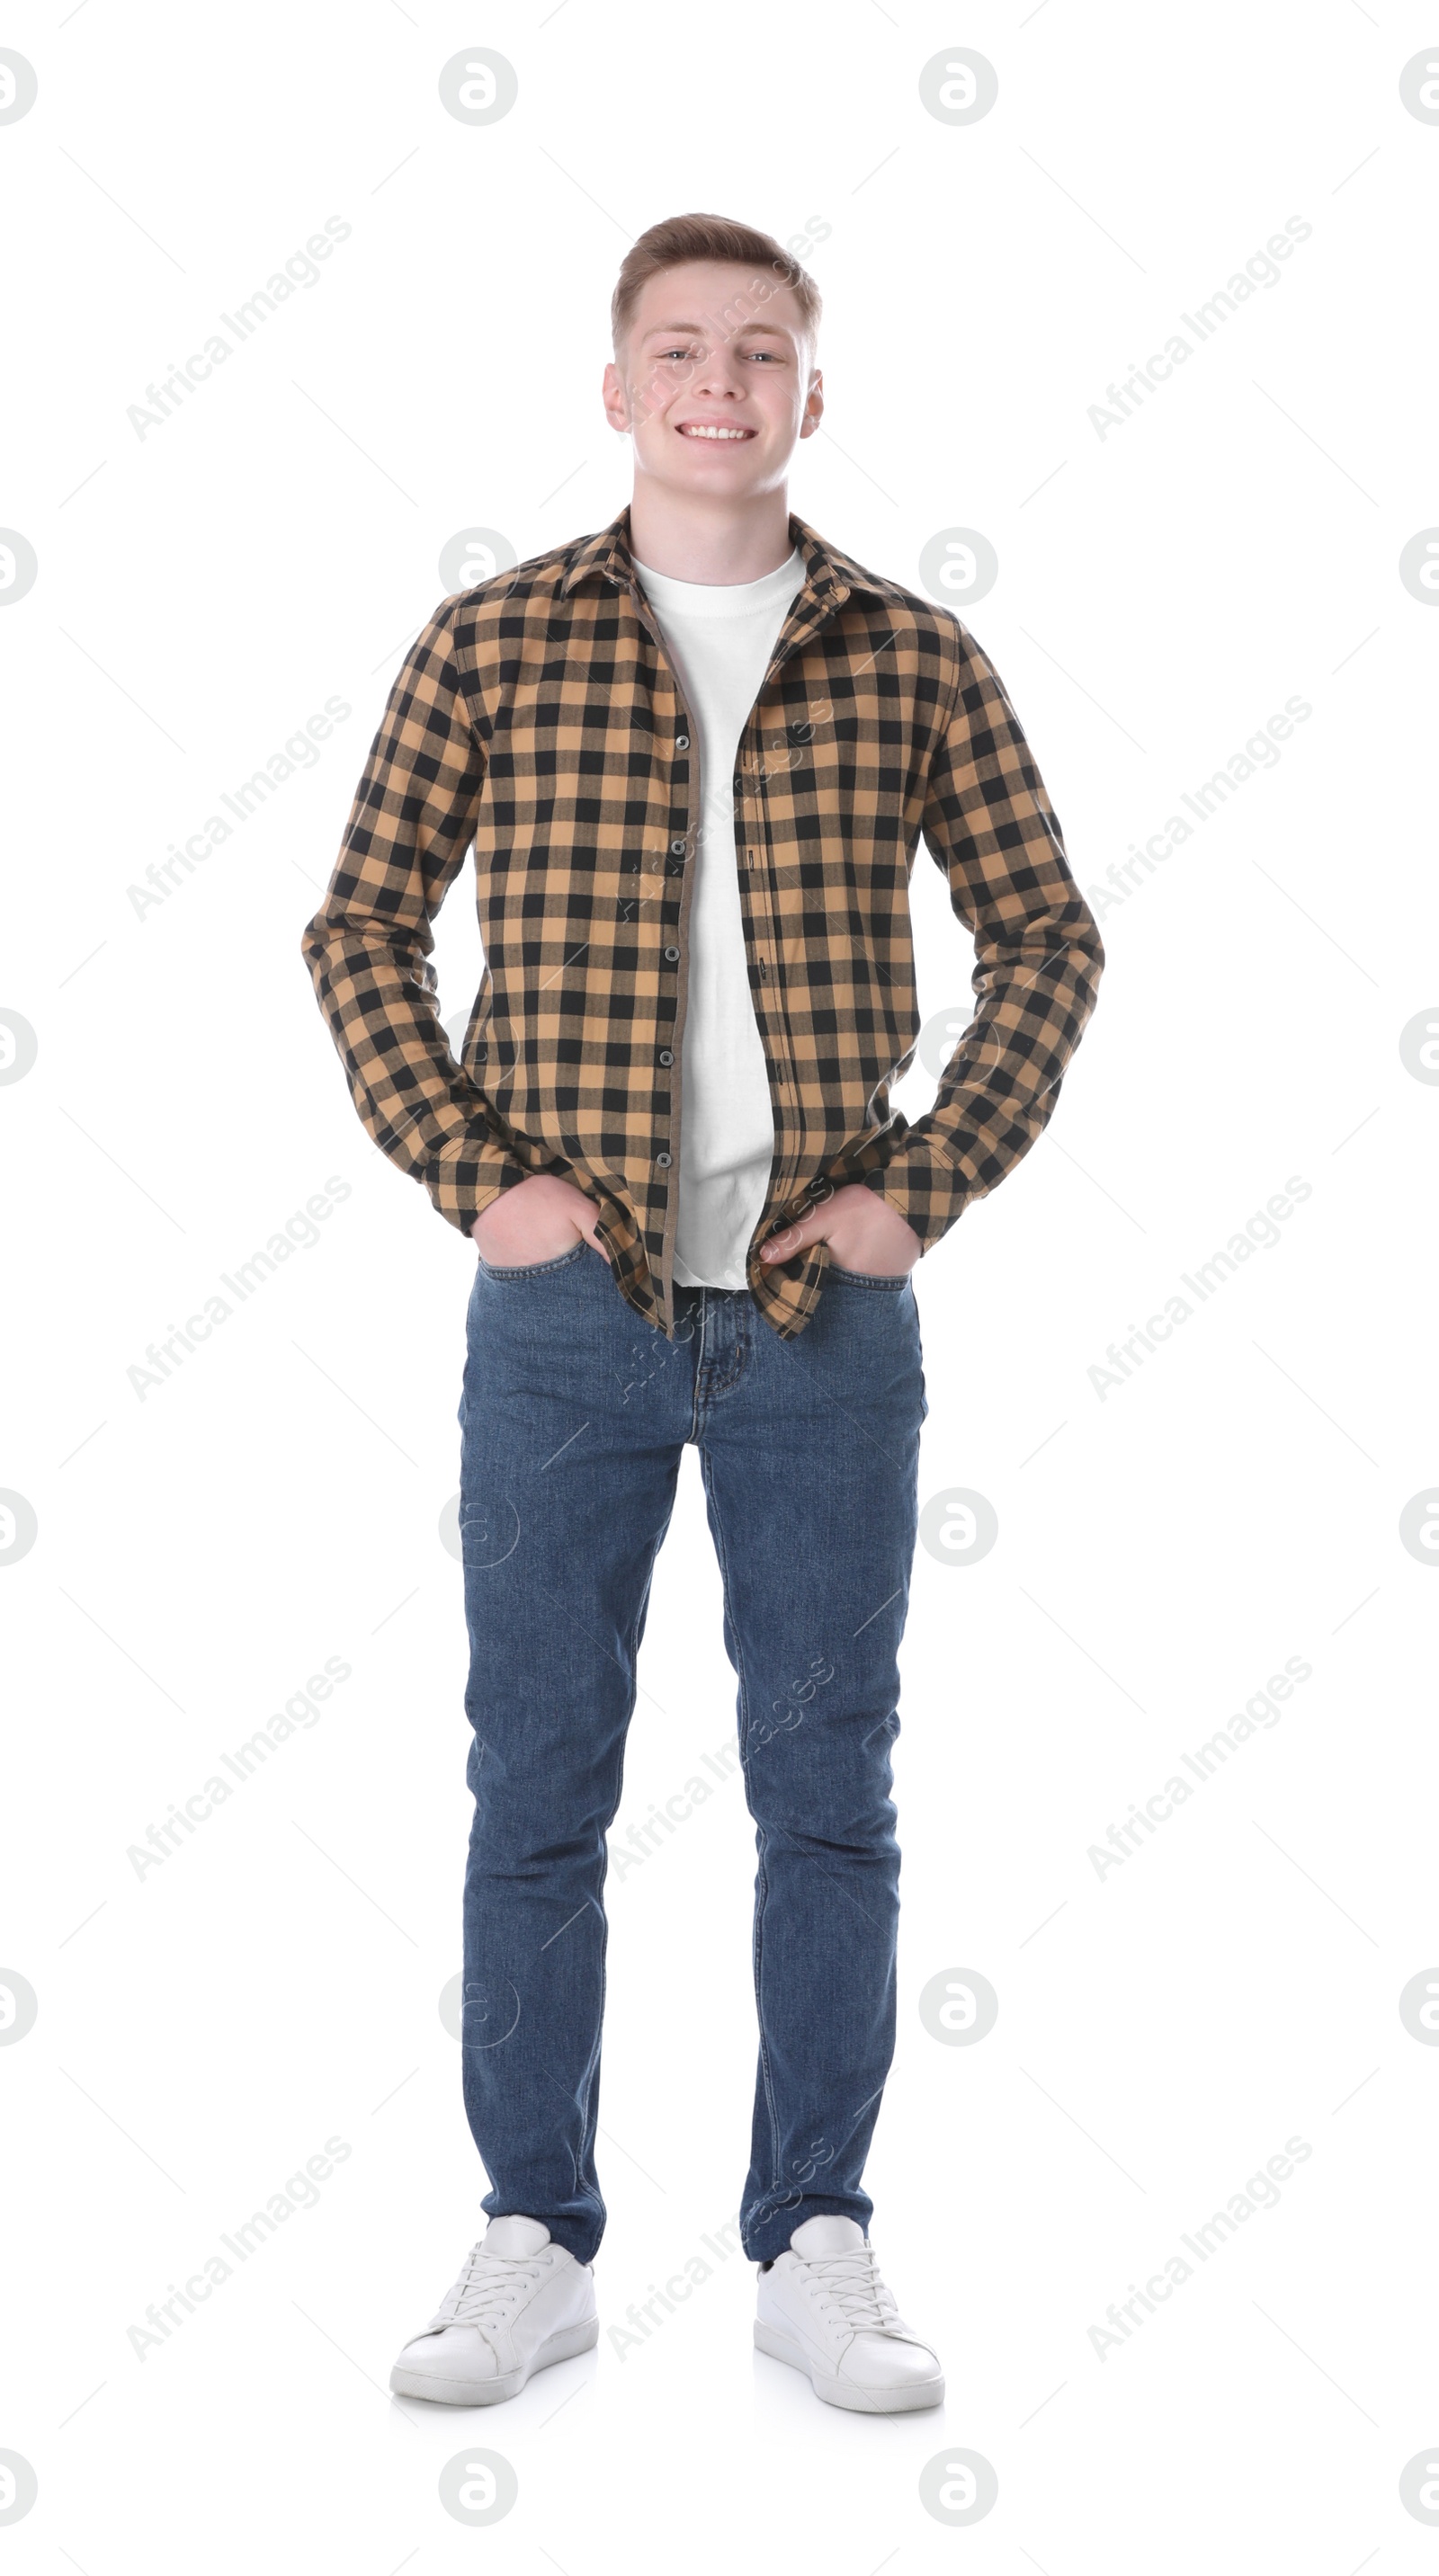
(868, 1278)
(532, 1269)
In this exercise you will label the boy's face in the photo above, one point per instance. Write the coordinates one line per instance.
(714, 346)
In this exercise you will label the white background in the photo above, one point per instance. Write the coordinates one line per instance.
(1162, 591)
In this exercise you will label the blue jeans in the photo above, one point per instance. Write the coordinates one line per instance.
(574, 1415)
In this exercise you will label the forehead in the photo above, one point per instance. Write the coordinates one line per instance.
(717, 296)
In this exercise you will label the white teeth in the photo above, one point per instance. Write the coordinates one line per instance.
(703, 429)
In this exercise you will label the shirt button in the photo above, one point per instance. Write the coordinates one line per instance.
(682, 742)
(665, 1056)
(678, 848)
(663, 1161)
(672, 954)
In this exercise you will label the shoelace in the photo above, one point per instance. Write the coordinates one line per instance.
(487, 2289)
(851, 2283)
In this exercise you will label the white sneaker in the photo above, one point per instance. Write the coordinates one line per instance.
(824, 2309)
(520, 2303)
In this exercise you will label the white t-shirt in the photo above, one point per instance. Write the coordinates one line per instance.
(720, 637)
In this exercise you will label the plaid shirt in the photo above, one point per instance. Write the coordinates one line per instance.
(538, 717)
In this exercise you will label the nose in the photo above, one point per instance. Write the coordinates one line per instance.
(717, 375)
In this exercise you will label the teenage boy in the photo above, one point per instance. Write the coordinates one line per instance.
(694, 755)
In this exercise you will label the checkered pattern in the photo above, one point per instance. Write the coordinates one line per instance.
(538, 717)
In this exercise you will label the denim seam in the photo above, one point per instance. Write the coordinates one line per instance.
(587, 2133)
(893, 1281)
(703, 1319)
(762, 1891)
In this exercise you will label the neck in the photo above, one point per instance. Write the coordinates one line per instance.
(717, 542)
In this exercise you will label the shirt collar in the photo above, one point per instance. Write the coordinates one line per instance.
(829, 575)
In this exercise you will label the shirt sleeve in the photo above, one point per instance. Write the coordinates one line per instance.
(990, 826)
(369, 945)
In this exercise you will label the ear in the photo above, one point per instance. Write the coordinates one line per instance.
(813, 406)
(615, 398)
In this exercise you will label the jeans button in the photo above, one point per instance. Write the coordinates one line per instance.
(665, 1056)
(678, 848)
(663, 1161)
(672, 956)
(682, 742)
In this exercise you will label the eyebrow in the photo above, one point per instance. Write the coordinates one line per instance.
(767, 329)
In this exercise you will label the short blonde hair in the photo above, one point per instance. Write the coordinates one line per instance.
(682, 238)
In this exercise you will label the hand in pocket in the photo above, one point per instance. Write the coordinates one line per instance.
(538, 1220)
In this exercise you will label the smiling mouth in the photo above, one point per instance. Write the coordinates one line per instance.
(716, 434)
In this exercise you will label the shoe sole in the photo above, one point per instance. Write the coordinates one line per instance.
(562, 2346)
(839, 2392)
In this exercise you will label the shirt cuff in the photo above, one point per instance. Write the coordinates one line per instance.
(926, 1190)
(462, 1183)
